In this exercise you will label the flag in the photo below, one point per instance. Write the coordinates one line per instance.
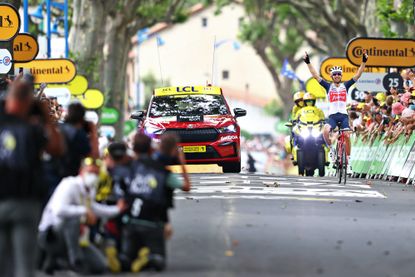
(287, 71)
(160, 41)
(236, 45)
(142, 35)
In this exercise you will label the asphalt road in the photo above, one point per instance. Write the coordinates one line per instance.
(262, 225)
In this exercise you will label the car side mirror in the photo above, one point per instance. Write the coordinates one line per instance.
(239, 112)
(138, 115)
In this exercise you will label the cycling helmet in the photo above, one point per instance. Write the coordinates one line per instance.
(309, 99)
(298, 97)
(336, 69)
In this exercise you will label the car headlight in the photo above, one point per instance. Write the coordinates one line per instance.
(315, 133)
(154, 130)
(305, 133)
(227, 129)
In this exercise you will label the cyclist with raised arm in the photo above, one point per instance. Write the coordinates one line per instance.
(337, 97)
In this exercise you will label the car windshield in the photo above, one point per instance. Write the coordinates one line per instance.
(188, 105)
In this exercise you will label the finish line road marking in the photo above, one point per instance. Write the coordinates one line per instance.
(303, 191)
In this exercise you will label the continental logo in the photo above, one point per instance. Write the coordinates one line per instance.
(349, 70)
(50, 70)
(383, 52)
(407, 52)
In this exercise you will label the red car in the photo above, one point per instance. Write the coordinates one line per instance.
(201, 118)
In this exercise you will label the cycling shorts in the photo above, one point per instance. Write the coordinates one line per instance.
(338, 119)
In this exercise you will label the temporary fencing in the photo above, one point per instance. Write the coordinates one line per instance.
(382, 160)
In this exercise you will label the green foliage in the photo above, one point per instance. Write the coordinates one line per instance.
(247, 135)
(388, 15)
(273, 108)
(150, 83)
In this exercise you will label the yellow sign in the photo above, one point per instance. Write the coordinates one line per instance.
(9, 22)
(313, 87)
(92, 99)
(349, 70)
(386, 52)
(25, 48)
(187, 90)
(50, 70)
(76, 87)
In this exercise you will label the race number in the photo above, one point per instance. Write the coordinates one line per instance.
(392, 80)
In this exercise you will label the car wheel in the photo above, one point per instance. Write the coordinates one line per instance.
(231, 167)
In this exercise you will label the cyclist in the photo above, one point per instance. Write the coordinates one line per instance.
(337, 96)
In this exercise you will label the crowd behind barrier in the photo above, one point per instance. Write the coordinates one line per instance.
(383, 139)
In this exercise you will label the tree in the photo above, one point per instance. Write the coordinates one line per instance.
(101, 36)
(271, 30)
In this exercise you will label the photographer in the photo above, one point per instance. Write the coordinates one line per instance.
(24, 136)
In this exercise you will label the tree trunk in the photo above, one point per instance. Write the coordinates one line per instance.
(117, 45)
(86, 38)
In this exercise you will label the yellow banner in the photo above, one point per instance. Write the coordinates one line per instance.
(50, 70)
(25, 48)
(382, 52)
(313, 87)
(167, 91)
(9, 22)
(349, 70)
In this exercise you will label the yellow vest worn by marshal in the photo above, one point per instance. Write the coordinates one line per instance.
(312, 112)
(294, 111)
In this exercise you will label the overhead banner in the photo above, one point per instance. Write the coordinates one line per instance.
(371, 82)
(50, 70)
(384, 52)
(349, 70)
(25, 48)
(9, 22)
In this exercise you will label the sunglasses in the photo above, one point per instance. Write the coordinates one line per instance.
(336, 74)
(90, 161)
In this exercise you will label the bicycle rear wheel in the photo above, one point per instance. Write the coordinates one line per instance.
(344, 163)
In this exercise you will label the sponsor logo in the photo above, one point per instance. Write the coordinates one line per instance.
(228, 138)
(357, 52)
(6, 60)
(340, 96)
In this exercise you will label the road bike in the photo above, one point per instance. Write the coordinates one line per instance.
(341, 156)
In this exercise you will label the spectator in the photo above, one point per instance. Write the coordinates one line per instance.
(72, 208)
(169, 154)
(81, 139)
(23, 138)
